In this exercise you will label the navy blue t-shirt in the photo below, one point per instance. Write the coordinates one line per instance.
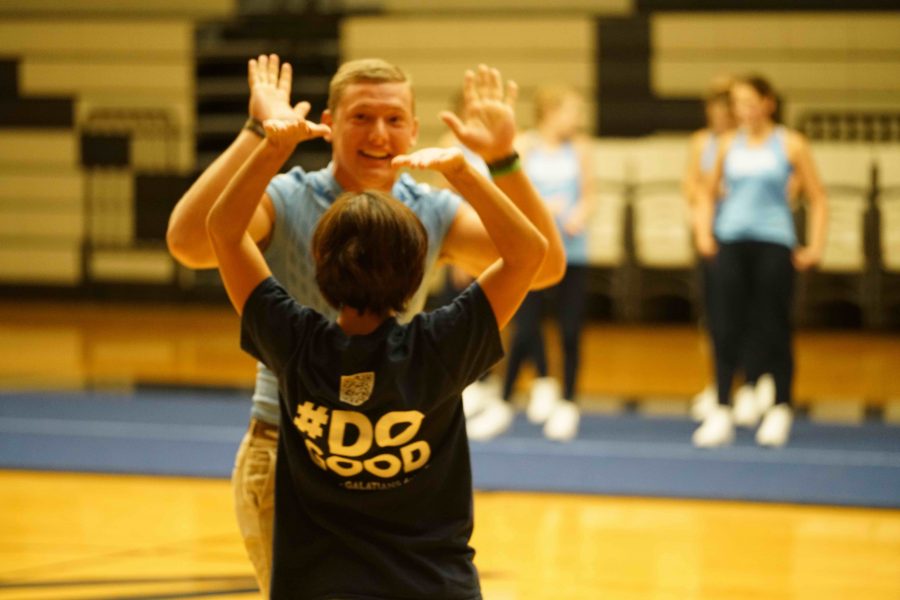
(373, 493)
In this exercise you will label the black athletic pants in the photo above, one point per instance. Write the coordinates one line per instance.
(709, 320)
(528, 339)
(752, 296)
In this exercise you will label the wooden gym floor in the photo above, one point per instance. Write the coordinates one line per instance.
(67, 536)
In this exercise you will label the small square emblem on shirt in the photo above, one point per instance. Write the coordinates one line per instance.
(357, 388)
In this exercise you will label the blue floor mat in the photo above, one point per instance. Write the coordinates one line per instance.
(196, 432)
(640, 456)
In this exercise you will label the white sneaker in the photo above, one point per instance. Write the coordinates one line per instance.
(475, 398)
(765, 392)
(776, 426)
(746, 407)
(717, 429)
(705, 402)
(495, 419)
(544, 398)
(562, 424)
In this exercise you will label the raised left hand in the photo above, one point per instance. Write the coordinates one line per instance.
(488, 127)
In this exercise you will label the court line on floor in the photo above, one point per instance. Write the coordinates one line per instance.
(105, 556)
(670, 451)
(241, 579)
(122, 429)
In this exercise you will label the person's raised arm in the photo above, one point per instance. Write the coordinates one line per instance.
(522, 248)
(808, 180)
(270, 88)
(240, 260)
(489, 129)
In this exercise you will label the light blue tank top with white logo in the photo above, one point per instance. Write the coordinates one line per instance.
(755, 204)
(556, 174)
(300, 200)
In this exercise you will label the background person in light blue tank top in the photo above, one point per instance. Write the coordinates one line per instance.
(750, 237)
(556, 159)
(756, 179)
(370, 119)
(702, 153)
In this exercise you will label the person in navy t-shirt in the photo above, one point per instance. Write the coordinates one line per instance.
(373, 483)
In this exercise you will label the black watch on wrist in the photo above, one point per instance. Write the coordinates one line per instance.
(255, 125)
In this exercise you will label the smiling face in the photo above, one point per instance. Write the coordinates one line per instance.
(371, 124)
(751, 108)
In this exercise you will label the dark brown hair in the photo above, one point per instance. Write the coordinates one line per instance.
(765, 90)
(369, 250)
(758, 83)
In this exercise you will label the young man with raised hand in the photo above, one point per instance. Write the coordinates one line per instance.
(370, 120)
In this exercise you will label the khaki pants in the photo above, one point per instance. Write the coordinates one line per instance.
(253, 483)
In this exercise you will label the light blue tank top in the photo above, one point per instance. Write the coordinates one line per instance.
(556, 174)
(755, 205)
(300, 200)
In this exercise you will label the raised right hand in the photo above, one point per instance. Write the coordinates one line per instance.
(270, 88)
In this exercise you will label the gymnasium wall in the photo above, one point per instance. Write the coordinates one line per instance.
(816, 60)
(643, 73)
(436, 51)
(110, 108)
(96, 95)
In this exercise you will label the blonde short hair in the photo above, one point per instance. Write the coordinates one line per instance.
(719, 89)
(364, 70)
(549, 98)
